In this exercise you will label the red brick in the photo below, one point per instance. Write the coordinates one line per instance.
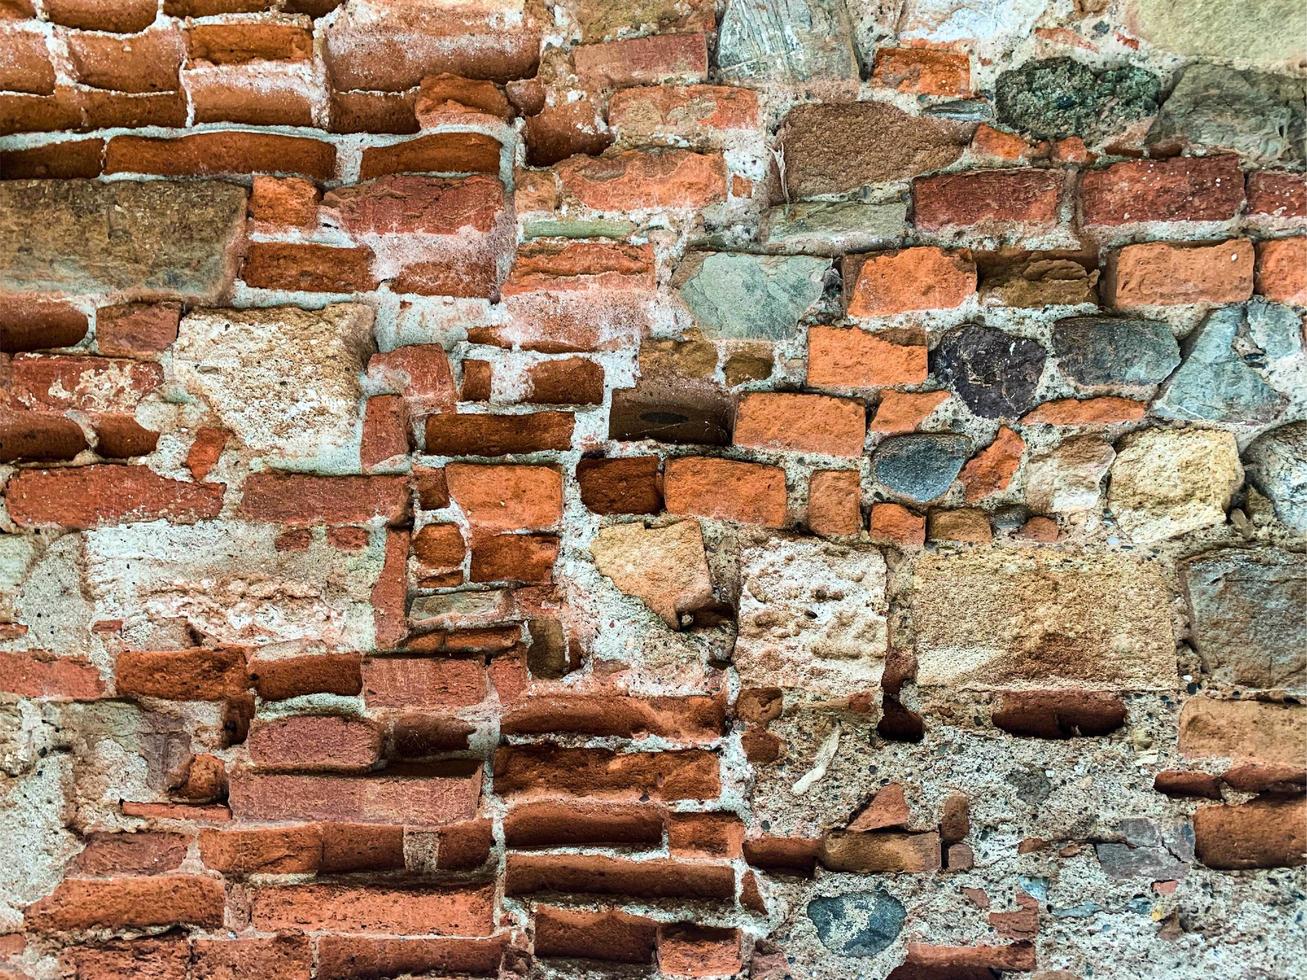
(147, 62)
(91, 496)
(240, 42)
(129, 903)
(426, 796)
(27, 66)
(372, 112)
(1262, 833)
(1107, 410)
(420, 373)
(308, 743)
(687, 719)
(573, 824)
(235, 152)
(262, 850)
(439, 548)
(374, 908)
(182, 675)
(705, 835)
(38, 437)
(284, 202)
(640, 180)
(390, 594)
(599, 875)
(675, 112)
(298, 499)
(507, 497)
(107, 855)
(136, 329)
(600, 773)
(64, 160)
(309, 268)
(894, 524)
(143, 959)
(126, 110)
(697, 951)
(1277, 194)
(1178, 189)
(122, 437)
(258, 94)
(385, 431)
(452, 98)
(1282, 270)
(205, 452)
(922, 278)
(437, 153)
(37, 674)
(39, 324)
(351, 957)
(87, 384)
(283, 957)
(725, 489)
(834, 503)
(608, 935)
(801, 423)
(568, 381)
(643, 60)
(448, 434)
(988, 201)
(118, 16)
(927, 71)
(514, 557)
(630, 485)
(422, 682)
(991, 470)
(1058, 714)
(880, 852)
(1166, 274)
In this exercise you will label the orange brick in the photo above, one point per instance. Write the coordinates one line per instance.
(749, 493)
(1107, 410)
(894, 524)
(991, 470)
(641, 179)
(902, 411)
(922, 278)
(801, 423)
(834, 503)
(928, 71)
(1166, 274)
(847, 357)
(1282, 270)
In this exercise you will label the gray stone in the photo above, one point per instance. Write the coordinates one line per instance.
(1115, 350)
(840, 147)
(1224, 377)
(1277, 466)
(920, 466)
(785, 41)
(995, 373)
(835, 227)
(157, 239)
(1247, 615)
(1258, 116)
(1146, 852)
(758, 297)
(1255, 31)
(859, 924)
(1060, 97)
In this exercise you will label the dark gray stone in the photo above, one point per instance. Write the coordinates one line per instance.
(1115, 350)
(785, 41)
(859, 924)
(1224, 377)
(159, 239)
(1249, 615)
(920, 466)
(1060, 97)
(736, 295)
(1259, 116)
(994, 373)
(1276, 463)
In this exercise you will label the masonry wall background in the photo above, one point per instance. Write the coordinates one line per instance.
(652, 488)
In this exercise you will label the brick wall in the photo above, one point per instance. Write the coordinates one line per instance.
(627, 488)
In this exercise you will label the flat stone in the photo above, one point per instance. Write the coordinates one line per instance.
(1224, 377)
(666, 567)
(1068, 478)
(785, 41)
(1059, 97)
(1277, 466)
(755, 297)
(1216, 29)
(836, 148)
(835, 227)
(1115, 350)
(920, 466)
(158, 239)
(990, 28)
(995, 373)
(857, 924)
(1147, 852)
(1258, 116)
(1246, 611)
(811, 616)
(1166, 482)
(1022, 618)
(286, 381)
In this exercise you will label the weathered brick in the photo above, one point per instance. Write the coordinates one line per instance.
(834, 503)
(432, 796)
(1165, 274)
(801, 423)
(628, 485)
(1262, 833)
(423, 683)
(182, 675)
(344, 908)
(921, 278)
(750, 493)
(449, 434)
(92, 496)
(150, 62)
(844, 357)
(644, 60)
(328, 743)
(600, 875)
(508, 497)
(609, 935)
(309, 268)
(348, 957)
(644, 180)
(666, 113)
(929, 71)
(1179, 189)
(988, 201)
(1282, 270)
(37, 674)
(231, 152)
(130, 903)
(304, 500)
(287, 957)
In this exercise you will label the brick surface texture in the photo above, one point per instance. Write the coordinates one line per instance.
(613, 489)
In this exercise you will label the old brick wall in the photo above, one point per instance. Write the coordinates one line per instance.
(653, 488)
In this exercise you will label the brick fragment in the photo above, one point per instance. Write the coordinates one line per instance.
(834, 503)
(1059, 714)
(1262, 833)
(284, 202)
(1277, 195)
(601, 773)
(350, 957)
(38, 437)
(698, 951)
(697, 718)
(927, 71)
(514, 557)
(1282, 270)
(437, 153)
(147, 62)
(599, 875)
(644, 180)
(118, 16)
(643, 60)
(238, 42)
(423, 683)
(430, 795)
(37, 674)
(894, 524)
(573, 824)
(285, 957)
(64, 160)
(898, 412)
(144, 853)
(1107, 410)
(27, 66)
(136, 329)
